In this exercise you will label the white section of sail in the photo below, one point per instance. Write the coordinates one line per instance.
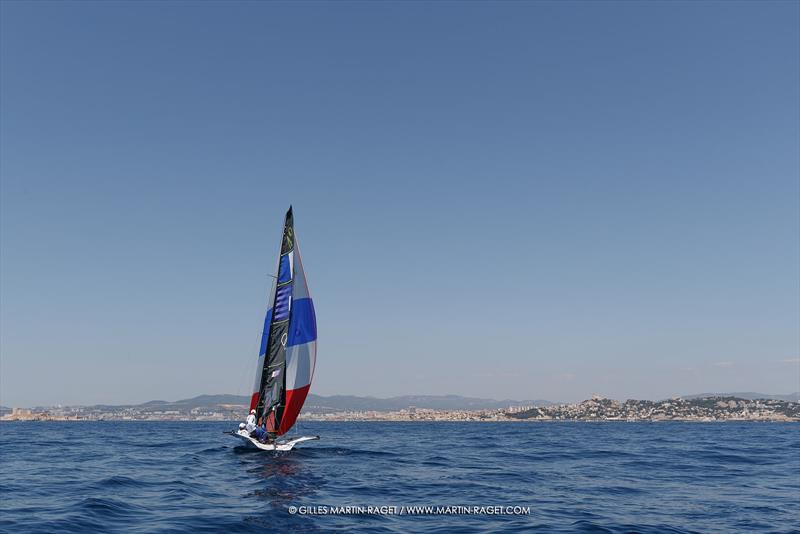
(300, 362)
(300, 286)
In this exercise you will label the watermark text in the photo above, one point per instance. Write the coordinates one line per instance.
(410, 510)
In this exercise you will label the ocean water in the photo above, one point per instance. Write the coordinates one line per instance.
(562, 477)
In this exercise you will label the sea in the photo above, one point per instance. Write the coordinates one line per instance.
(427, 477)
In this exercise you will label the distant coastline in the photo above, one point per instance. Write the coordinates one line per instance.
(445, 408)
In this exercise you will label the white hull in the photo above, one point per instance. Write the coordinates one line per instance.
(278, 445)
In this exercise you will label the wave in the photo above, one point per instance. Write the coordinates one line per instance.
(677, 478)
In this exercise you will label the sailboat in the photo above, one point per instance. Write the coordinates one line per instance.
(288, 351)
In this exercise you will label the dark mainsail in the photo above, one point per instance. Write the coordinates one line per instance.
(288, 342)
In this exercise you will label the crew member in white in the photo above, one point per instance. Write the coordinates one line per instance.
(251, 422)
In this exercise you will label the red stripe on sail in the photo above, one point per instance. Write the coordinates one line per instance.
(294, 403)
(254, 400)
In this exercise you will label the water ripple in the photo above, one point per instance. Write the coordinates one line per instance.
(594, 477)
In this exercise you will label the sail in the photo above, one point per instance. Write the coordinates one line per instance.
(287, 355)
(301, 347)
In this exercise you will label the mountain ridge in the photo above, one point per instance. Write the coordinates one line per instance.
(749, 395)
(333, 403)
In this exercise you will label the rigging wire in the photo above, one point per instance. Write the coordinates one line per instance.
(246, 365)
(254, 349)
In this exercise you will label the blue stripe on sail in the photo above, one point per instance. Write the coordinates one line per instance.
(284, 292)
(303, 327)
(282, 301)
(265, 333)
(284, 270)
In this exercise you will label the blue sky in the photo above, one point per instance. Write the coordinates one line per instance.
(508, 200)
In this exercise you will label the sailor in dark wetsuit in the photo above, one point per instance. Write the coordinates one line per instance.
(260, 434)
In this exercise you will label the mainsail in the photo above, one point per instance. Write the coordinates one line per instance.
(288, 350)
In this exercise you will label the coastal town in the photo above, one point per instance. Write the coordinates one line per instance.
(598, 408)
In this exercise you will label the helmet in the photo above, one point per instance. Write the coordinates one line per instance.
(253, 412)
(241, 426)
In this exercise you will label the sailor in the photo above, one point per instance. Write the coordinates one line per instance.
(260, 434)
(241, 427)
(251, 421)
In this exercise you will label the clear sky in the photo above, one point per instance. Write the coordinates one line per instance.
(508, 200)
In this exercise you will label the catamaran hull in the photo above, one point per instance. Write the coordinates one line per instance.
(287, 445)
